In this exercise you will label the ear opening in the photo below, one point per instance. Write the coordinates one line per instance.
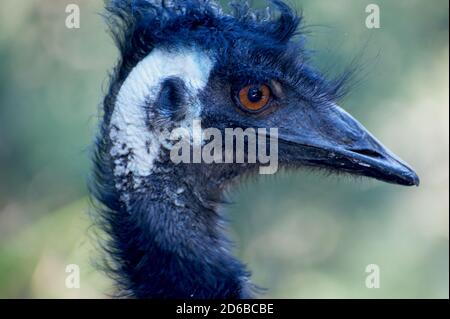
(171, 103)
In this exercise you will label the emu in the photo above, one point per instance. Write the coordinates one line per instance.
(184, 60)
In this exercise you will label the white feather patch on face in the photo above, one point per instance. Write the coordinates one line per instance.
(134, 146)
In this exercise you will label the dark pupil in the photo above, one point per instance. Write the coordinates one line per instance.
(255, 94)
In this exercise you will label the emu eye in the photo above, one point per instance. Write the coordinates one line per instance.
(254, 97)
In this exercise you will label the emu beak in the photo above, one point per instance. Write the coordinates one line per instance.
(335, 140)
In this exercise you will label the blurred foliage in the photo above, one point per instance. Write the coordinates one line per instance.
(303, 234)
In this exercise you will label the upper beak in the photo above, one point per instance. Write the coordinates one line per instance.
(336, 140)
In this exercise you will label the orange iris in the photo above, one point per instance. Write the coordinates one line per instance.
(254, 97)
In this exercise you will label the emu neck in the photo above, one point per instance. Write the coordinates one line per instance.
(174, 246)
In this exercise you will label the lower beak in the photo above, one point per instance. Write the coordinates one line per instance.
(347, 146)
(382, 165)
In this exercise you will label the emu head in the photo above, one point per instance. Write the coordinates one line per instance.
(189, 60)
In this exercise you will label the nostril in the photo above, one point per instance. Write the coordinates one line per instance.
(367, 152)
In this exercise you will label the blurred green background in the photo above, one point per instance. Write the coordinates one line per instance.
(304, 235)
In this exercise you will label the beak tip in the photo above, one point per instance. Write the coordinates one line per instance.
(415, 179)
(411, 178)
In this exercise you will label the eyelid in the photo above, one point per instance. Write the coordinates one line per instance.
(277, 88)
